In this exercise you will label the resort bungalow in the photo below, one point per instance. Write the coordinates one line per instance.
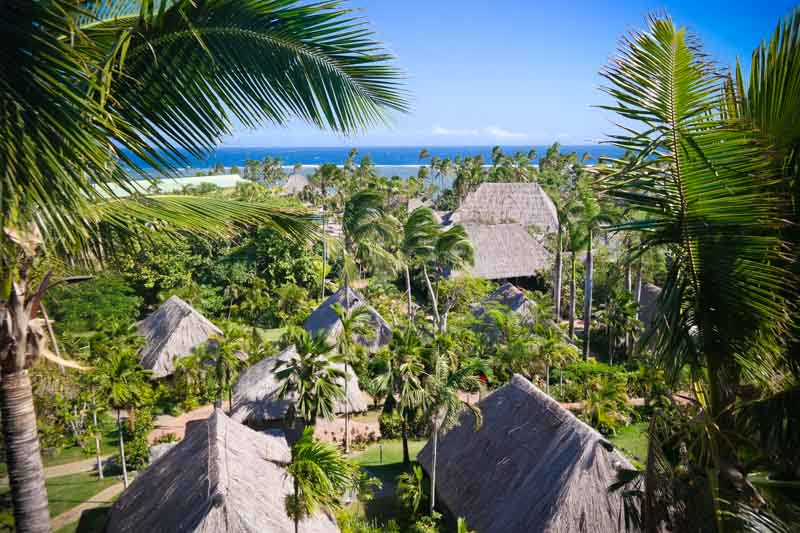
(507, 224)
(509, 297)
(324, 320)
(257, 404)
(295, 184)
(532, 466)
(222, 477)
(171, 333)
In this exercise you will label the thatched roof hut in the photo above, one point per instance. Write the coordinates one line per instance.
(532, 466)
(222, 477)
(505, 203)
(324, 319)
(171, 333)
(255, 396)
(504, 251)
(510, 297)
(295, 184)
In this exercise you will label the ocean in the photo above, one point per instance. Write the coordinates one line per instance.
(400, 161)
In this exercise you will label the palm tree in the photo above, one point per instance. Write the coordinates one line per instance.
(452, 250)
(553, 349)
(310, 381)
(444, 404)
(355, 325)
(320, 475)
(708, 191)
(576, 241)
(418, 243)
(84, 93)
(226, 357)
(401, 378)
(322, 178)
(124, 384)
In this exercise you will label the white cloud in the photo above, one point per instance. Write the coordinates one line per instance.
(438, 130)
(500, 133)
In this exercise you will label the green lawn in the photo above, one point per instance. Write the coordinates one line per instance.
(91, 521)
(392, 452)
(271, 335)
(632, 441)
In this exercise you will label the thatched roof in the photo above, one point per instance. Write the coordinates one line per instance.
(222, 477)
(255, 396)
(324, 319)
(504, 203)
(507, 296)
(505, 251)
(295, 184)
(532, 466)
(171, 333)
(648, 303)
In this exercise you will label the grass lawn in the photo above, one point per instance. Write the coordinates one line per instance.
(632, 440)
(91, 521)
(271, 335)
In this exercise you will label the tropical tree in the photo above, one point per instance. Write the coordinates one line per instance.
(368, 231)
(576, 241)
(419, 239)
(707, 188)
(553, 349)
(84, 93)
(355, 326)
(444, 404)
(401, 378)
(452, 250)
(323, 178)
(411, 489)
(320, 476)
(124, 384)
(310, 381)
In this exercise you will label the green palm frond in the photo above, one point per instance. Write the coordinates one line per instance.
(707, 192)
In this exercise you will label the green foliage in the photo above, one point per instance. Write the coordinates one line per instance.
(411, 490)
(391, 425)
(293, 305)
(280, 261)
(135, 434)
(606, 406)
(92, 305)
(427, 524)
(350, 522)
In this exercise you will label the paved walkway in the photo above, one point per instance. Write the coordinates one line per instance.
(101, 499)
(86, 465)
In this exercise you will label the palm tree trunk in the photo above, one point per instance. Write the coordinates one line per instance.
(404, 436)
(97, 443)
(434, 301)
(559, 269)
(296, 515)
(23, 455)
(587, 298)
(324, 254)
(433, 466)
(346, 411)
(572, 291)
(610, 344)
(408, 294)
(547, 378)
(122, 451)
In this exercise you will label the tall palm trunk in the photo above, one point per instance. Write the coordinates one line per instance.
(587, 298)
(97, 440)
(296, 516)
(433, 466)
(408, 295)
(629, 290)
(122, 451)
(434, 300)
(324, 255)
(23, 456)
(346, 397)
(404, 437)
(572, 291)
(559, 274)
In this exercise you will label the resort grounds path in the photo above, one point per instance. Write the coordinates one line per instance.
(86, 465)
(101, 499)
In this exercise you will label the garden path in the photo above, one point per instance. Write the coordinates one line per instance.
(86, 465)
(101, 499)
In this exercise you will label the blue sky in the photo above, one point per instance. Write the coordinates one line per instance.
(484, 72)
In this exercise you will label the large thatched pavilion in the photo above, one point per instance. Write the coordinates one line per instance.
(171, 333)
(222, 477)
(295, 184)
(532, 466)
(255, 396)
(324, 320)
(507, 224)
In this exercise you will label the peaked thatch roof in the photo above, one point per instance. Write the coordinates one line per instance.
(324, 319)
(648, 303)
(295, 184)
(507, 295)
(255, 396)
(505, 251)
(505, 203)
(222, 477)
(532, 466)
(172, 332)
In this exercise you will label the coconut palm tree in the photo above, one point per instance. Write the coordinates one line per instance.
(708, 191)
(401, 378)
(320, 476)
(444, 404)
(355, 326)
(322, 178)
(310, 381)
(452, 250)
(418, 243)
(576, 241)
(124, 384)
(92, 84)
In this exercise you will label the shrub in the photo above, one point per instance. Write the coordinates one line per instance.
(166, 438)
(427, 524)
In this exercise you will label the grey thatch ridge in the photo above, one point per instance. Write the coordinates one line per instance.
(222, 477)
(171, 333)
(324, 319)
(505, 203)
(532, 466)
(256, 400)
(295, 184)
(505, 251)
(506, 295)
